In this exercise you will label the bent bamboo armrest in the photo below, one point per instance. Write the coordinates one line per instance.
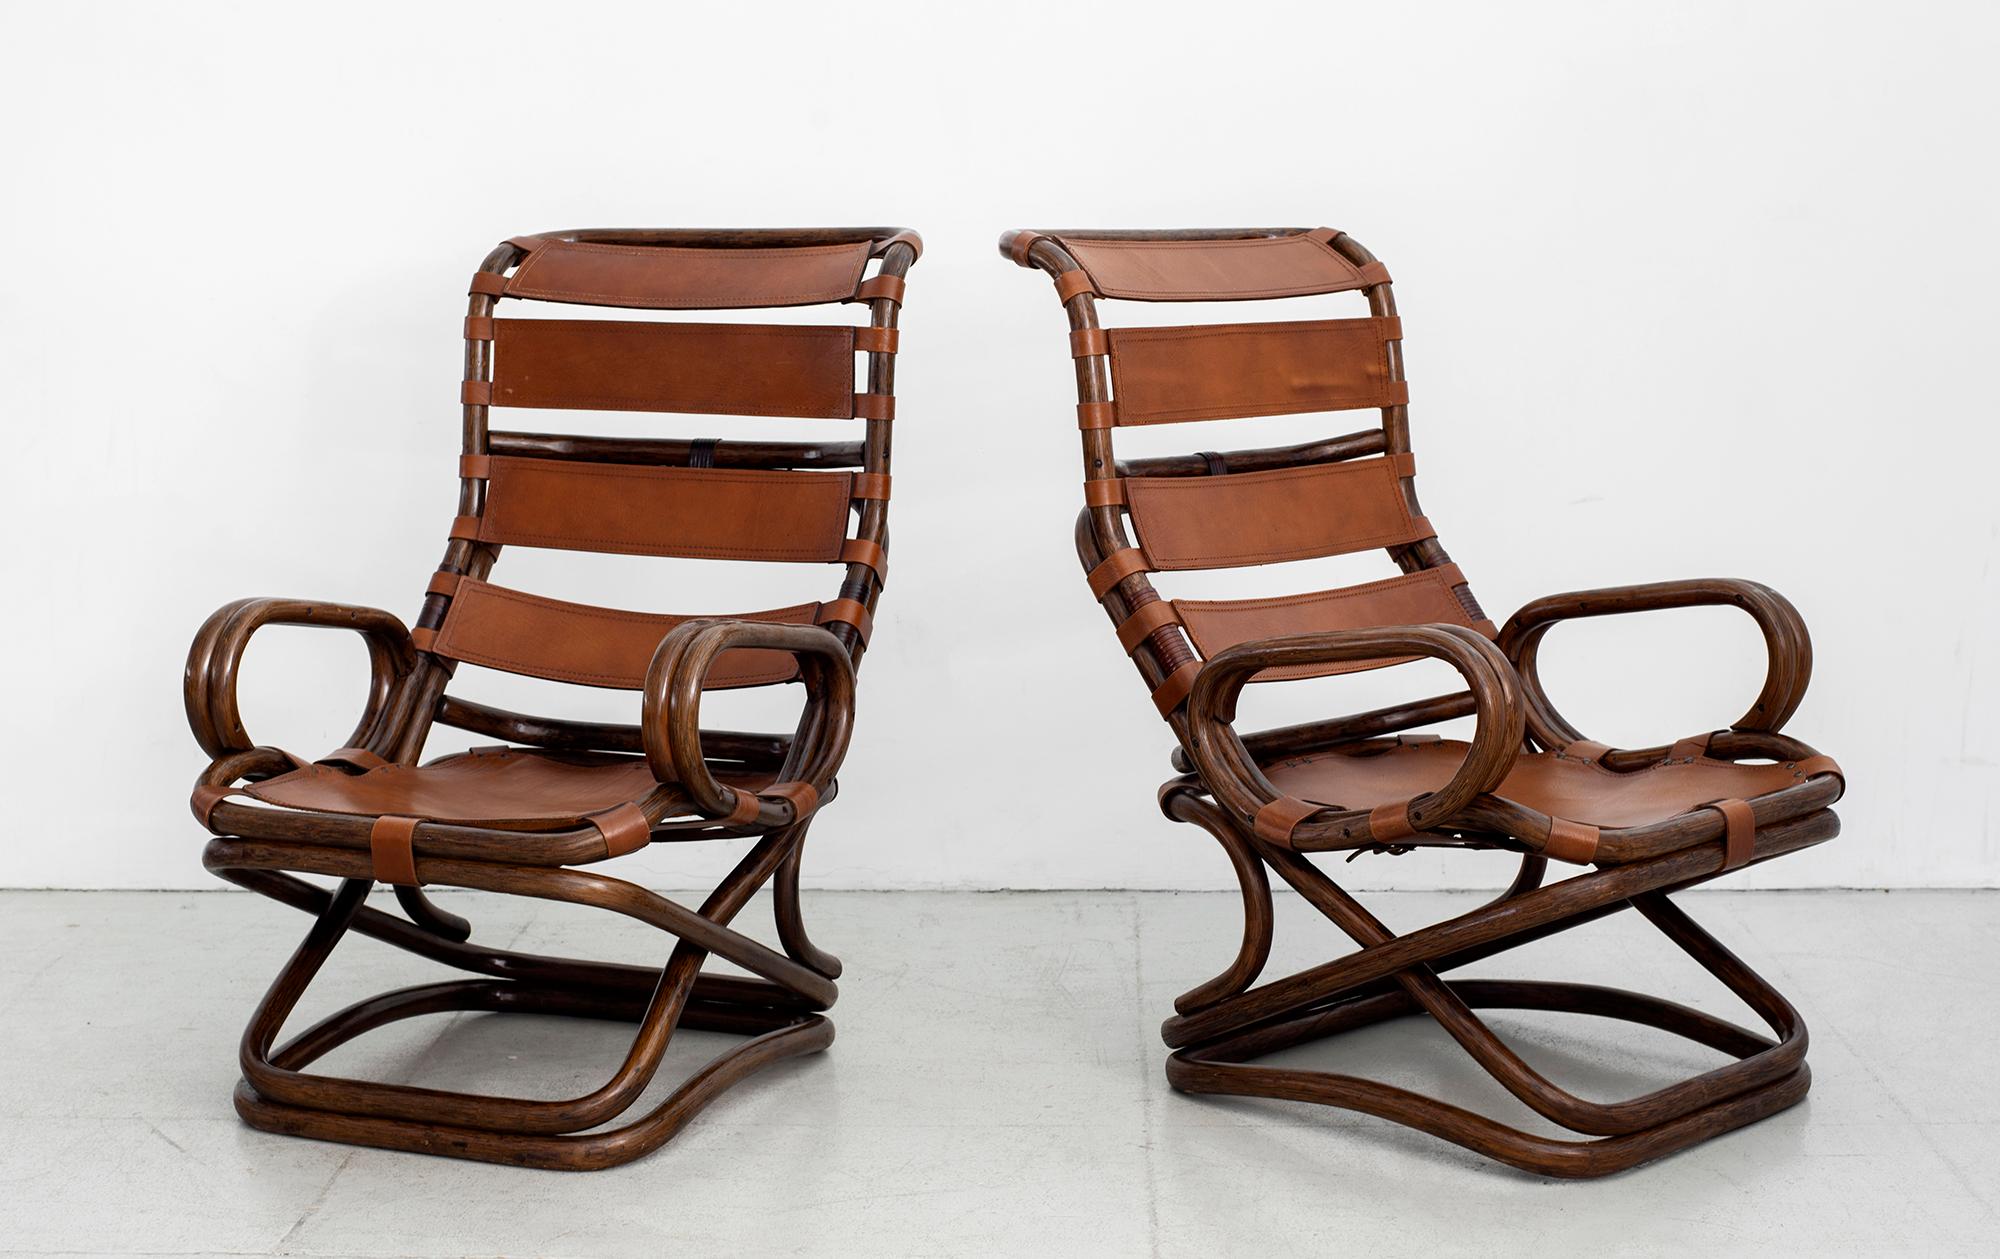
(671, 718)
(1230, 771)
(209, 682)
(1785, 639)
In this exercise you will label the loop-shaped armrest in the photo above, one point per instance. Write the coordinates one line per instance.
(1784, 630)
(1231, 773)
(209, 682)
(671, 721)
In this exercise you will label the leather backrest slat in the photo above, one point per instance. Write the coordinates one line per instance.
(1228, 371)
(703, 368)
(1419, 598)
(1215, 270)
(674, 278)
(1248, 518)
(694, 513)
(573, 642)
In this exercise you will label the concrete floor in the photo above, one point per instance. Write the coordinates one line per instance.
(996, 1090)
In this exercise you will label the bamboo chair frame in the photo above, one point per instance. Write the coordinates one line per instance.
(780, 1009)
(1222, 1026)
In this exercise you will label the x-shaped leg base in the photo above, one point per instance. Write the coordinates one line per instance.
(779, 1010)
(1225, 1025)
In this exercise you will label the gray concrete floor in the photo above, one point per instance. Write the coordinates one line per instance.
(996, 1090)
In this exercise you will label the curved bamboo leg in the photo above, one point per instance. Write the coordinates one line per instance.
(779, 1012)
(1393, 977)
(790, 920)
(1255, 949)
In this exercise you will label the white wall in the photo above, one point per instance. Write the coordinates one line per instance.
(1690, 289)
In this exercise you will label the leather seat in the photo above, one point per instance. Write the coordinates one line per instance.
(1544, 782)
(513, 788)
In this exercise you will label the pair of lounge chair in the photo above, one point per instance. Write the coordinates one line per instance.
(535, 814)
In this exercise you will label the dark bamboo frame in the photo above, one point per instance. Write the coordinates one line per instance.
(1221, 1026)
(780, 1010)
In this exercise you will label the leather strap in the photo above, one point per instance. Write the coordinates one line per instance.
(874, 406)
(527, 244)
(443, 583)
(802, 796)
(914, 241)
(1139, 626)
(423, 638)
(1589, 751)
(1570, 841)
(1071, 283)
(465, 528)
(1096, 415)
(744, 810)
(871, 485)
(1739, 837)
(1168, 695)
(1373, 273)
(487, 283)
(476, 393)
(1023, 243)
(877, 340)
(881, 288)
(1104, 492)
(625, 828)
(850, 611)
(1084, 342)
(478, 328)
(1276, 821)
(359, 758)
(204, 799)
(1114, 568)
(475, 467)
(1388, 823)
(871, 554)
(391, 850)
(1689, 749)
(1815, 765)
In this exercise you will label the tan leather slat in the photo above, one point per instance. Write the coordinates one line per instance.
(697, 513)
(1267, 517)
(657, 277)
(1276, 821)
(1421, 598)
(1229, 371)
(625, 829)
(1215, 270)
(390, 851)
(573, 642)
(1115, 568)
(700, 368)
